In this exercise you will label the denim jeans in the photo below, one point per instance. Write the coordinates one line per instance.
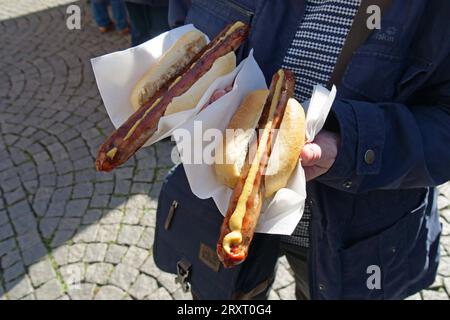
(100, 12)
(146, 21)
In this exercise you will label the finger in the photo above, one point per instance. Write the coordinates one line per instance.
(311, 153)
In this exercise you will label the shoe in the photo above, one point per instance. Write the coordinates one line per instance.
(125, 31)
(109, 28)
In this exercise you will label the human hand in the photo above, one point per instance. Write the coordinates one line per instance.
(318, 156)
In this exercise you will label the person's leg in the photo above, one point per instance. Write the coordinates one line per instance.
(138, 23)
(120, 14)
(100, 13)
(298, 260)
(159, 17)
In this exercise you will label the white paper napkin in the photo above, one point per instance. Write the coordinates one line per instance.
(280, 213)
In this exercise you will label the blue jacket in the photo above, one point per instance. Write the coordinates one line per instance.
(394, 99)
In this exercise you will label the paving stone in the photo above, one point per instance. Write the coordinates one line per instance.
(76, 252)
(149, 219)
(181, 295)
(56, 209)
(11, 184)
(123, 276)
(273, 295)
(61, 237)
(49, 291)
(64, 180)
(160, 294)
(73, 274)
(69, 223)
(86, 234)
(14, 196)
(147, 239)
(445, 214)
(61, 255)
(6, 231)
(167, 280)
(112, 217)
(117, 202)
(416, 296)
(3, 217)
(110, 293)
(76, 208)
(41, 272)
(84, 291)
(287, 293)
(47, 180)
(95, 252)
(283, 278)
(104, 188)
(19, 289)
(123, 173)
(83, 190)
(34, 253)
(25, 223)
(130, 234)
(447, 285)
(122, 187)
(150, 268)
(135, 257)
(6, 246)
(443, 202)
(99, 201)
(132, 216)
(107, 233)
(47, 226)
(62, 194)
(143, 286)
(434, 295)
(10, 258)
(145, 175)
(140, 188)
(99, 273)
(18, 209)
(444, 267)
(437, 284)
(115, 253)
(28, 240)
(156, 189)
(445, 227)
(13, 271)
(92, 216)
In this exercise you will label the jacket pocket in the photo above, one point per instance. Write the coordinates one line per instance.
(211, 16)
(373, 76)
(378, 267)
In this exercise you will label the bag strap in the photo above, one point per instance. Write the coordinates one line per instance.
(358, 33)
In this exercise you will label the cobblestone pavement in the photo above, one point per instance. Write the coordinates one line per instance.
(60, 220)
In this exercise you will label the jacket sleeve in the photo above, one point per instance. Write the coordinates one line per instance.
(393, 145)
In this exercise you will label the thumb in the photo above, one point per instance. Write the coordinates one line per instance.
(310, 154)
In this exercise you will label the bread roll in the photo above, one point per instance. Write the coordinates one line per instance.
(286, 150)
(168, 65)
(190, 98)
(289, 141)
(231, 154)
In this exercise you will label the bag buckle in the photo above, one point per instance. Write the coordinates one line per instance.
(183, 272)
